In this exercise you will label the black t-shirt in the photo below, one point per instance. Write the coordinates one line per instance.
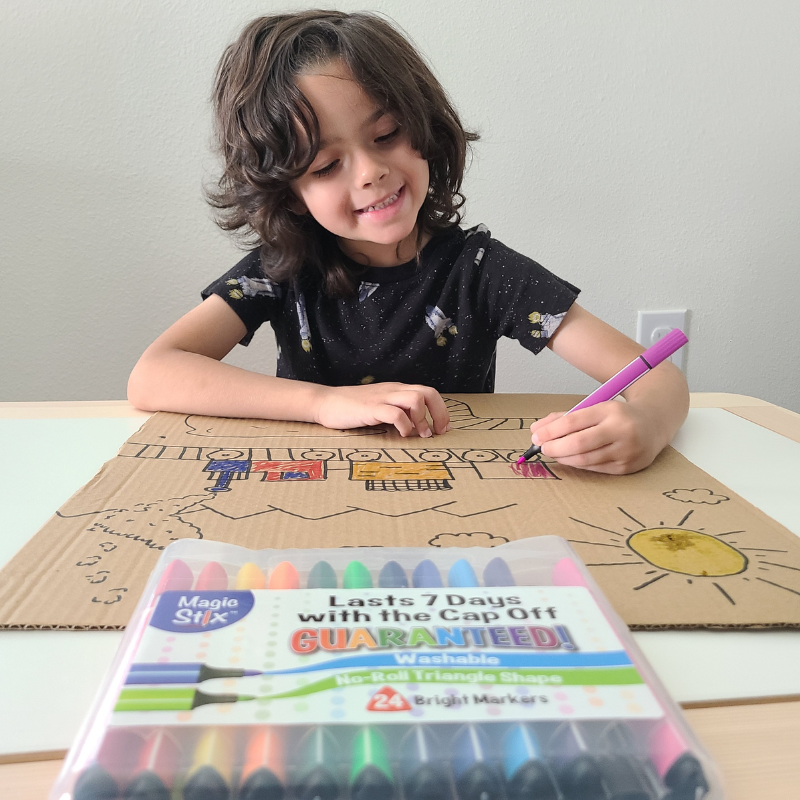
(434, 323)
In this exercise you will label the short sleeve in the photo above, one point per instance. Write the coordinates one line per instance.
(245, 288)
(524, 301)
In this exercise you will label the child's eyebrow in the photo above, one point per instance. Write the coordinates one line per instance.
(370, 120)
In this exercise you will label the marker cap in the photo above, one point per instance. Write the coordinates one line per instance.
(665, 347)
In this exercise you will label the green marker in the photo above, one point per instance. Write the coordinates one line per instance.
(171, 699)
(370, 773)
(356, 576)
(322, 576)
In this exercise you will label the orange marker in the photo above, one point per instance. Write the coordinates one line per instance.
(209, 777)
(250, 577)
(213, 577)
(284, 576)
(264, 772)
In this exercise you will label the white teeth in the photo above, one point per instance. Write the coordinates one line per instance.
(387, 202)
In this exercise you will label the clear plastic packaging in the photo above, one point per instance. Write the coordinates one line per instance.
(381, 674)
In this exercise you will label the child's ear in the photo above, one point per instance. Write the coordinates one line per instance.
(296, 205)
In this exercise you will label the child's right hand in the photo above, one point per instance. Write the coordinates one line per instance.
(403, 405)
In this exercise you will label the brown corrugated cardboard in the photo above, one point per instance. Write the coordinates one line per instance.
(670, 546)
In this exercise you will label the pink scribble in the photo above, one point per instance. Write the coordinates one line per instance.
(532, 469)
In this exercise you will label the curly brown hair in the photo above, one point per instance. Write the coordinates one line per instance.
(268, 135)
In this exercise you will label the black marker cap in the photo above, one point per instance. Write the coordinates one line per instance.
(263, 784)
(685, 779)
(625, 778)
(532, 781)
(318, 784)
(206, 784)
(95, 783)
(580, 779)
(147, 786)
(429, 782)
(479, 782)
(372, 784)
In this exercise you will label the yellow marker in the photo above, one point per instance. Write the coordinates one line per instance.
(250, 577)
(210, 773)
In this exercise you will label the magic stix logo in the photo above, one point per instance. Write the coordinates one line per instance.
(190, 612)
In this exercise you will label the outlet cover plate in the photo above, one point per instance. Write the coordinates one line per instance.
(654, 325)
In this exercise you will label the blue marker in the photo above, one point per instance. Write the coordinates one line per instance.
(497, 573)
(462, 574)
(322, 576)
(182, 673)
(392, 576)
(527, 776)
(577, 771)
(476, 778)
(426, 575)
(423, 772)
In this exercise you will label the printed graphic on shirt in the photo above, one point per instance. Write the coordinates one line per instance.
(547, 322)
(439, 323)
(365, 289)
(252, 287)
(480, 228)
(305, 333)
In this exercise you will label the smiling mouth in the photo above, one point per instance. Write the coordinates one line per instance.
(391, 200)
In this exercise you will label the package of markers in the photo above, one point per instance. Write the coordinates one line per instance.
(381, 674)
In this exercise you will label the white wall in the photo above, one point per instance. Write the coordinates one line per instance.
(647, 152)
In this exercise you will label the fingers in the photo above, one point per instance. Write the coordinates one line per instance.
(564, 435)
(437, 409)
(418, 402)
(394, 415)
(415, 409)
(540, 427)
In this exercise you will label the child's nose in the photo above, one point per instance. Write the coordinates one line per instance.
(370, 169)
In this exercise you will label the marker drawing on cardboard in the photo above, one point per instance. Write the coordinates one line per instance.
(671, 546)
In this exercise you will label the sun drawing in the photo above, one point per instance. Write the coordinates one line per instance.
(676, 551)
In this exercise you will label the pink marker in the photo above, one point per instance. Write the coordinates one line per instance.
(677, 766)
(213, 577)
(627, 376)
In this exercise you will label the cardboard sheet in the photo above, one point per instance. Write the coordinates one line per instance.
(670, 546)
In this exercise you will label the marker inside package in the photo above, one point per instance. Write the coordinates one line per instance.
(381, 674)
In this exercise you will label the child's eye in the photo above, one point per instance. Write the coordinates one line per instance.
(388, 137)
(326, 170)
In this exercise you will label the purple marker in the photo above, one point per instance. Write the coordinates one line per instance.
(627, 376)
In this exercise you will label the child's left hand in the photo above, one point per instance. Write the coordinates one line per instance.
(611, 437)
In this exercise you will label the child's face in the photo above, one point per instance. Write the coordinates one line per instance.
(367, 183)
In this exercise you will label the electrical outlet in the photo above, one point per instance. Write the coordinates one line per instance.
(654, 325)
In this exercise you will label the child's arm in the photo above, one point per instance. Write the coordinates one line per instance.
(182, 371)
(611, 437)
